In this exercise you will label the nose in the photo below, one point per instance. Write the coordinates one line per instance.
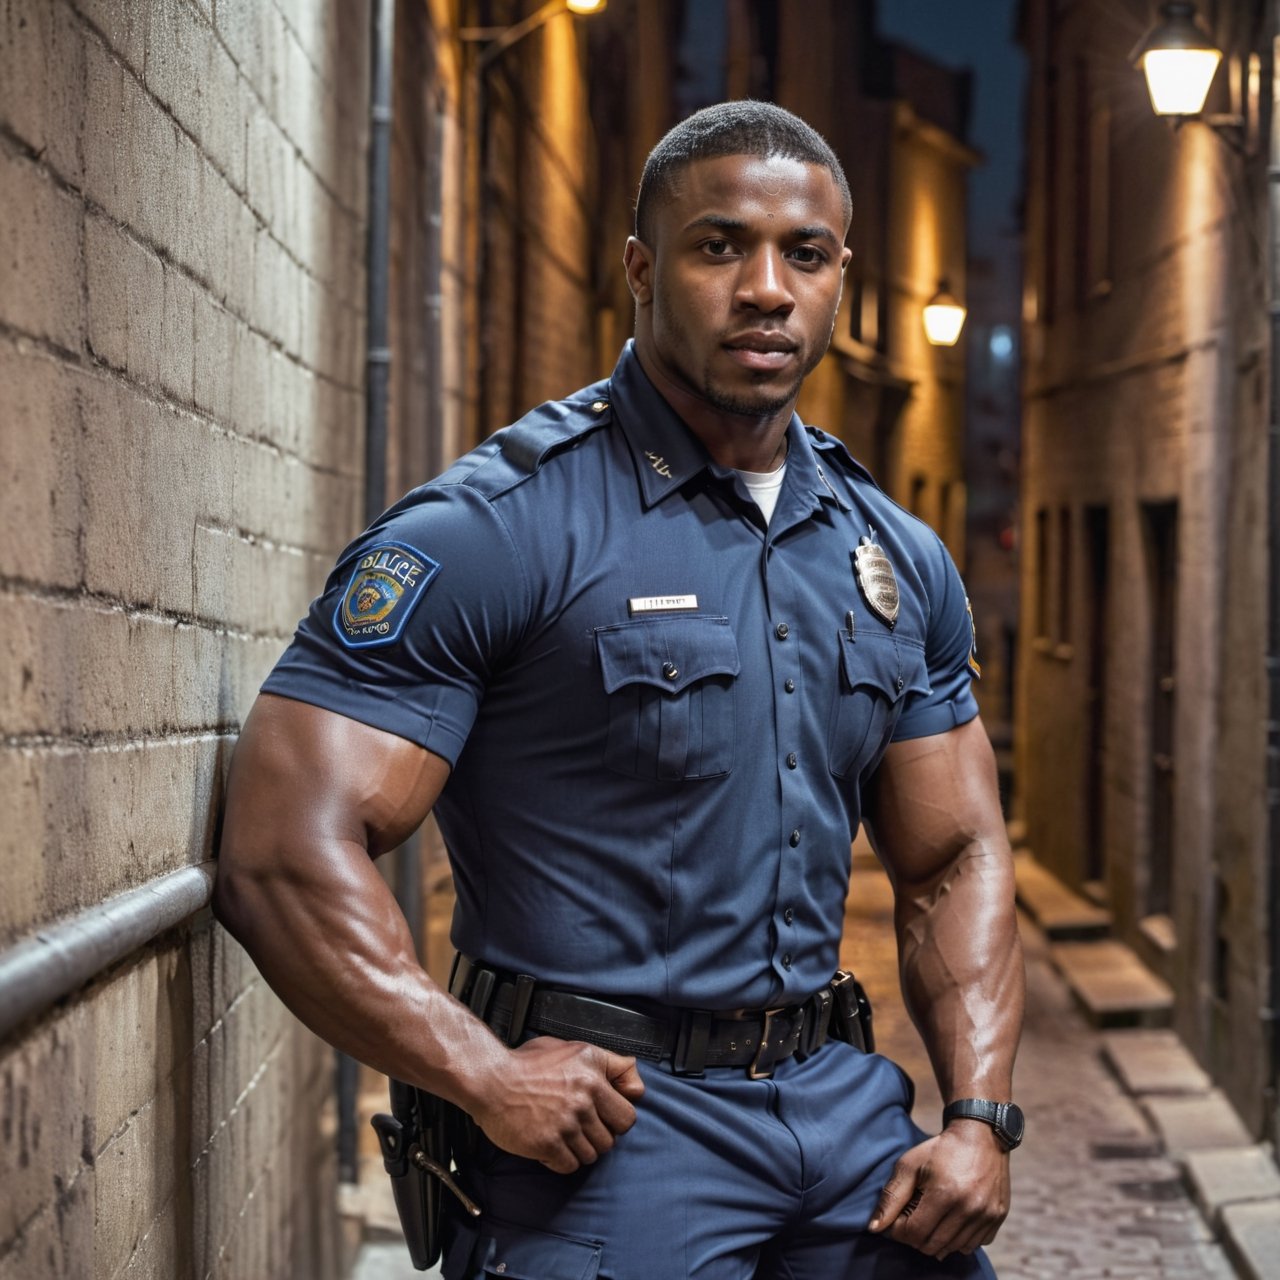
(762, 285)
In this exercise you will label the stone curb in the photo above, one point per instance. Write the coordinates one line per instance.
(1234, 1182)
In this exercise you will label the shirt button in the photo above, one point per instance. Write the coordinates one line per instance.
(795, 838)
(670, 670)
(788, 915)
(786, 960)
(782, 631)
(899, 684)
(792, 760)
(789, 685)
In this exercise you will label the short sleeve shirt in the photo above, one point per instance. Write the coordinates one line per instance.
(660, 713)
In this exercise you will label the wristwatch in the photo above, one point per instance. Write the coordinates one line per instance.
(1005, 1118)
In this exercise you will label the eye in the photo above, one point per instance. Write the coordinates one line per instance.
(808, 256)
(717, 248)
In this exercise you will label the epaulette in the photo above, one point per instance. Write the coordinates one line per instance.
(833, 451)
(543, 432)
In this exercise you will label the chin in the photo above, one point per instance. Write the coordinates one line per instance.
(752, 401)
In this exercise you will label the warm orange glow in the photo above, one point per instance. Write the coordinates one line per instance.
(586, 6)
(944, 317)
(1179, 79)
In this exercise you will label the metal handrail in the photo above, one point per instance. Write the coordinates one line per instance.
(61, 958)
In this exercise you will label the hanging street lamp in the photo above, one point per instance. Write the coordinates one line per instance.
(943, 317)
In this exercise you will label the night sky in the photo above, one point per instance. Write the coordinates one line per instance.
(978, 34)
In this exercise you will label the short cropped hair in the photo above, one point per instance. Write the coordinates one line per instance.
(744, 128)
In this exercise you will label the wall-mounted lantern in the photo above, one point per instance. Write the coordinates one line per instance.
(1179, 59)
(943, 317)
(497, 40)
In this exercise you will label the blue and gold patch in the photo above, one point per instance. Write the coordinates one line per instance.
(388, 582)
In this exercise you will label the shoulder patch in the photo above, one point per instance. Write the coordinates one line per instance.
(388, 581)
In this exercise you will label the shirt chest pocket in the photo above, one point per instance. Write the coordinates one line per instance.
(876, 675)
(670, 690)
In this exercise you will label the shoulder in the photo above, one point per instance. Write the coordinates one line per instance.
(519, 452)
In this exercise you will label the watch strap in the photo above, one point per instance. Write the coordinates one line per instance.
(1004, 1117)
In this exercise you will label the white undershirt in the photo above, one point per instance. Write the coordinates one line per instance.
(764, 487)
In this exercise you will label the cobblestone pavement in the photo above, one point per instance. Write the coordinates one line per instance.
(1092, 1196)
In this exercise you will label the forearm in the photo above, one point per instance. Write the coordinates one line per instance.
(334, 946)
(962, 970)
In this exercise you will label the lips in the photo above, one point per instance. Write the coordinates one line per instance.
(761, 352)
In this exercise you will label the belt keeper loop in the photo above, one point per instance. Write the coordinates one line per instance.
(817, 1018)
(690, 1056)
(482, 993)
(460, 975)
(520, 1008)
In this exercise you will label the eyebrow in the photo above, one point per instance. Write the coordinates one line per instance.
(724, 223)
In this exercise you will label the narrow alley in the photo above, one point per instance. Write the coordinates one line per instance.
(268, 265)
(1096, 1196)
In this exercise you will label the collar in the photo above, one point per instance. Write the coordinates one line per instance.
(667, 453)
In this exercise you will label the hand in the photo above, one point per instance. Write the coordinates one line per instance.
(561, 1102)
(949, 1194)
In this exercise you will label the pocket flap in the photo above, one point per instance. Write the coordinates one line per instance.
(521, 1254)
(667, 653)
(881, 662)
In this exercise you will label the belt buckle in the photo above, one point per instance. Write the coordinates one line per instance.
(759, 1070)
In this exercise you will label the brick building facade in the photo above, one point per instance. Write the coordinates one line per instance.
(184, 217)
(1143, 685)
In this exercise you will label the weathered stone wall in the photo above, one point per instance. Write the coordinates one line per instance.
(182, 217)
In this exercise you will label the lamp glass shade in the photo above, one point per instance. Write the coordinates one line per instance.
(585, 6)
(943, 320)
(1178, 80)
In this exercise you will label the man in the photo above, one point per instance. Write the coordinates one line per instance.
(652, 654)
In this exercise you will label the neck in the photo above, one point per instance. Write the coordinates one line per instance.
(745, 442)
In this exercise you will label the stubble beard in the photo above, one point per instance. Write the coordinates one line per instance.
(766, 400)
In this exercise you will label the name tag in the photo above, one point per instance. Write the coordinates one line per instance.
(660, 604)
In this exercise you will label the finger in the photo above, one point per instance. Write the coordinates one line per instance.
(948, 1234)
(894, 1198)
(561, 1160)
(624, 1076)
(918, 1222)
(598, 1138)
(615, 1111)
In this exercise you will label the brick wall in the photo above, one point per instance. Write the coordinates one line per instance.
(181, 292)
(1146, 385)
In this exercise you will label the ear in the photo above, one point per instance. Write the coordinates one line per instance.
(637, 261)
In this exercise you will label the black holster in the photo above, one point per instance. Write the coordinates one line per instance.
(419, 1140)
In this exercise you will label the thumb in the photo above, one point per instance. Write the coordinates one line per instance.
(623, 1075)
(894, 1198)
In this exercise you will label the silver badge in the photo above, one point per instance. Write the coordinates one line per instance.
(876, 578)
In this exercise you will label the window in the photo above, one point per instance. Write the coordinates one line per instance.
(1042, 574)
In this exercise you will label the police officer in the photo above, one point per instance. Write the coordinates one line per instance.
(652, 654)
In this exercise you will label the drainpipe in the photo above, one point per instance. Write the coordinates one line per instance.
(377, 371)
(1273, 585)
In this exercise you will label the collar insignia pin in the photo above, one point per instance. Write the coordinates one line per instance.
(659, 464)
(877, 580)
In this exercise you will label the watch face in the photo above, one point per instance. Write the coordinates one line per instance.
(1013, 1122)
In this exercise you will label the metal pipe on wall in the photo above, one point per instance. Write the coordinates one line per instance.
(1273, 579)
(377, 377)
(60, 958)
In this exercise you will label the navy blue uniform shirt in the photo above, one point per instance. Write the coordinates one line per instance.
(659, 713)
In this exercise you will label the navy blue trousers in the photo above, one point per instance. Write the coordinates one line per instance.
(721, 1178)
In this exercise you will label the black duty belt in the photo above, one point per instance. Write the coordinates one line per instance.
(515, 1005)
